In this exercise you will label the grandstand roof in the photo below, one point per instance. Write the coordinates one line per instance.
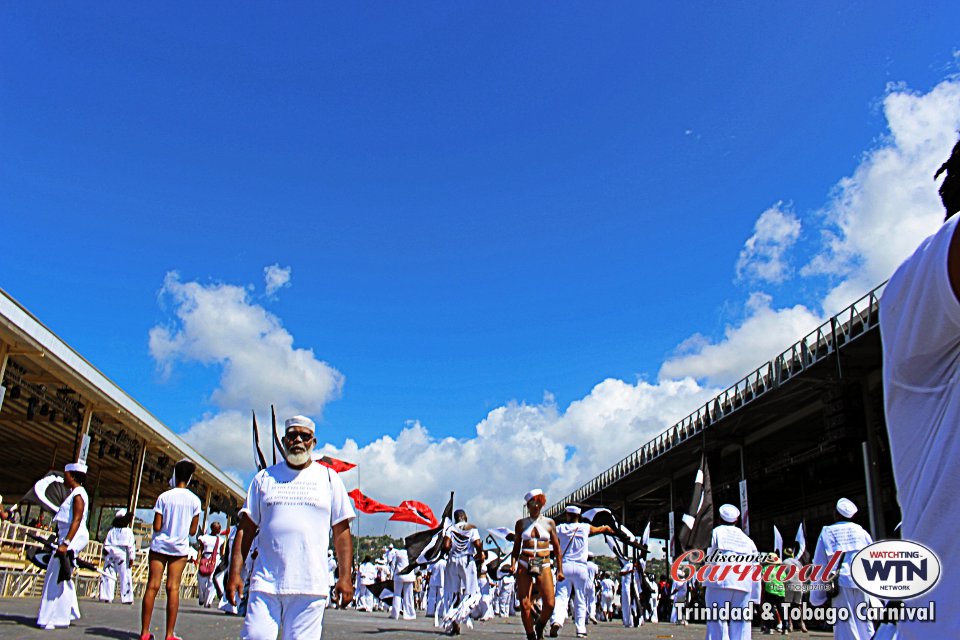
(54, 395)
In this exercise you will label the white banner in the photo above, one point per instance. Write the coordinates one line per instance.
(84, 448)
(744, 507)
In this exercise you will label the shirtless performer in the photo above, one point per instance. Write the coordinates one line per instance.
(534, 540)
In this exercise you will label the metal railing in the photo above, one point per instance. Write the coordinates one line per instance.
(821, 343)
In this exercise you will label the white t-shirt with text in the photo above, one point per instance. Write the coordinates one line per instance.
(295, 511)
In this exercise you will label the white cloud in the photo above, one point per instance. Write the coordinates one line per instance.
(275, 278)
(217, 324)
(878, 215)
(518, 447)
(763, 334)
(763, 257)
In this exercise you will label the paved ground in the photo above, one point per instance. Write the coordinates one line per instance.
(18, 620)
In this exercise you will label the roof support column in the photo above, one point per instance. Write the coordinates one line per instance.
(878, 527)
(83, 429)
(136, 478)
(4, 356)
(206, 509)
(670, 526)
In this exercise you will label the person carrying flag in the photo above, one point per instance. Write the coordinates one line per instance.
(461, 543)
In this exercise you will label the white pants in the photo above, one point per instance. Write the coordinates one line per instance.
(853, 628)
(574, 584)
(626, 608)
(402, 600)
(58, 602)
(591, 595)
(606, 602)
(114, 567)
(434, 596)
(205, 590)
(365, 599)
(460, 578)
(723, 629)
(505, 600)
(298, 617)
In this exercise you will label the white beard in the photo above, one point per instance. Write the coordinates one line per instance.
(298, 459)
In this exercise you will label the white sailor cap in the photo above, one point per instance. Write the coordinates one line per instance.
(846, 508)
(575, 510)
(78, 467)
(729, 513)
(300, 421)
(533, 493)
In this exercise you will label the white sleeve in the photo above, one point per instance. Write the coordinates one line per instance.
(158, 508)
(252, 505)
(197, 507)
(340, 507)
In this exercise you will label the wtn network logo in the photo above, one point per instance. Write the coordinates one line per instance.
(897, 569)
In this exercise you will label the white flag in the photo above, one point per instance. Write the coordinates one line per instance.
(777, 541)
(645, 538)
(801, 541)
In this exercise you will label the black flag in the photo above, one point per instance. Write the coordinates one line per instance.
(424, 547)
(697, 523)
(258, 458)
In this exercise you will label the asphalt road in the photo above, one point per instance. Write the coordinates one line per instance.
(121, 622)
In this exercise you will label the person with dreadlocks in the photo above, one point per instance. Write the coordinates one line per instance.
(920, 332)
(535, 540)
(461, 543)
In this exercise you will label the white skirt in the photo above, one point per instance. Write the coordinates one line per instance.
(58, 602)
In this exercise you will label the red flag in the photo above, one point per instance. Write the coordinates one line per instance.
(337, 465)
(416, 512)
(364, 504)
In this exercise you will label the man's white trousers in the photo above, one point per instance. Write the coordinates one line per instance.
(574, 584)
(853, 628)
(460, 578)
(626, 608)
(724, 629)
(402, 600)
(115, 567)
(288, 617)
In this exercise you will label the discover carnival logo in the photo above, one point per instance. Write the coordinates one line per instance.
(897, 569)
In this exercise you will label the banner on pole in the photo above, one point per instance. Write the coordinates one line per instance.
(744, 507)
(670, 541)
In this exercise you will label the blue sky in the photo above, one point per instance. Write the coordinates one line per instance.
(478, 203)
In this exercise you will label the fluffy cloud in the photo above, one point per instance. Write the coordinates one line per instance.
(218, 324)
(763, 257)
(763, 334)
(276, 277)
(878, 215)
(541, 445)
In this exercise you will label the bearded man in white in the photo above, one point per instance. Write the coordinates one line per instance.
(292, 507)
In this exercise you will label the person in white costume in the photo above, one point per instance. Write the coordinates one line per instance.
(574, 537)
(366, 576)
(607, 588)
(738, 594)
(176, 517)
(505, 592)
(435, 589)
(461, 589)
(403, 604)
(679, 589)
(920, 332)
(848, 537)
(292, 508)
(58, 601)
(534, 542)
(119, 550)
(210, 547)
(627, 575)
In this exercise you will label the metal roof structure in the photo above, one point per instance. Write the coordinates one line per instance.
(53, 397)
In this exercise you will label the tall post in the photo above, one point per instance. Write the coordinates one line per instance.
(4, 356)
(871, 498)
(206, 509)
(83, 428)
(878, 528)
(136, 478)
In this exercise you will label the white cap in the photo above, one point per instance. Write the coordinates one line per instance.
(846, 508)
(79, 467)
(120, 513)
(575, 510)
(533, 493)
(15, 507)
(300, 421)
(729, 513)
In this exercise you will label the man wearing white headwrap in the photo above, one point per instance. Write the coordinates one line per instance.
(293, 508)
(58, 602)
(848, 537)
(738, 594)
(119, 551)
(574, 545)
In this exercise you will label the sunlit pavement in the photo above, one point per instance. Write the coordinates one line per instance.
(18, 620)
